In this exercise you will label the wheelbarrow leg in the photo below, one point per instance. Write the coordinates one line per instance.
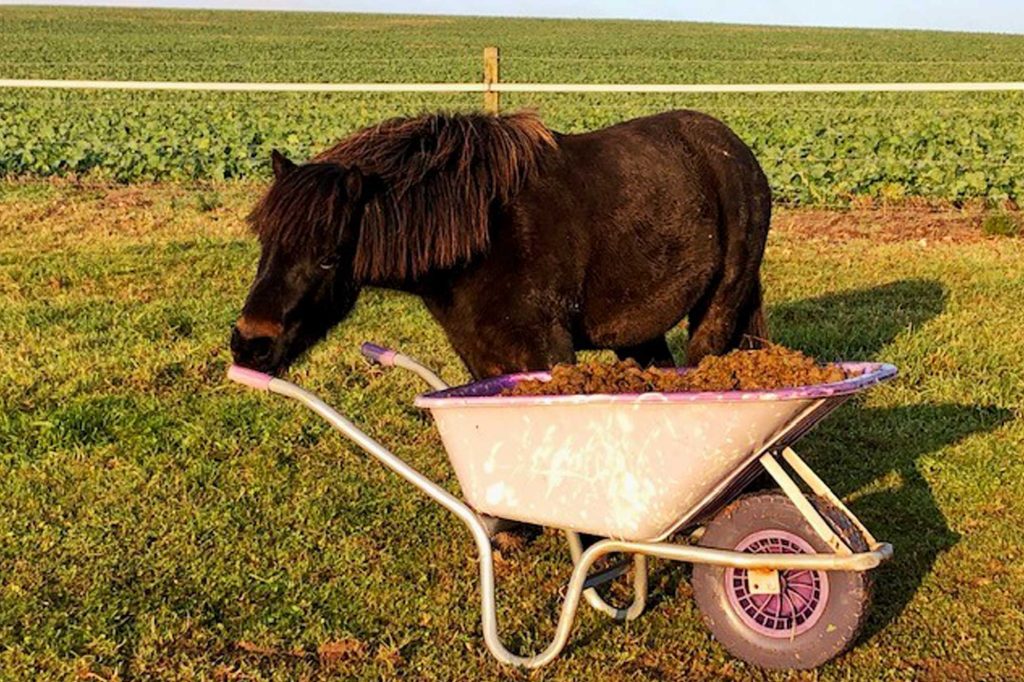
(820, 488)
(595, 600)
(569, 603)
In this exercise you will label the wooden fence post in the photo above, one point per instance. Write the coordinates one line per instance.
(492, 103)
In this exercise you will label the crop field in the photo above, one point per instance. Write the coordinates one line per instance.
(816, 148)
(158, 523)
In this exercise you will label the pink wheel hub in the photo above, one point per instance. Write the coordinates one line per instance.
(802, 597)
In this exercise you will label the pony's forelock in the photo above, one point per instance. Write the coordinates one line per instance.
(303, 209)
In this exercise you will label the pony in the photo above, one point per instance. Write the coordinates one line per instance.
(526, 245)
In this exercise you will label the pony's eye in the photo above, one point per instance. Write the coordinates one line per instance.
(328, 263)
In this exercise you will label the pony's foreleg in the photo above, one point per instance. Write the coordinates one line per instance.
(538, 348)
(654, 352)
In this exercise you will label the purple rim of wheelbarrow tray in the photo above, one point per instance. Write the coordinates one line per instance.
(487, 391)
(803, 594)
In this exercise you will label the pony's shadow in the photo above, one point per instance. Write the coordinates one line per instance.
(856, 324)
(861, 447)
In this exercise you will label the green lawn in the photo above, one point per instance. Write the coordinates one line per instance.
(158, 522)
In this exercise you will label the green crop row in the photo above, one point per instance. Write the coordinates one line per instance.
(816, 148)
(257, 46)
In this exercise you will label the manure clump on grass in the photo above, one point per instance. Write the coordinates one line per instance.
(741, 370)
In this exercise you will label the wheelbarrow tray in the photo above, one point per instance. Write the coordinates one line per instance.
(633, 467)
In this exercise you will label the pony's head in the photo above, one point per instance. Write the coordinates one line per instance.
(387, 205)
(307, 224)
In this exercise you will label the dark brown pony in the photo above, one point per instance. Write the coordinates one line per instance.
(526, 245)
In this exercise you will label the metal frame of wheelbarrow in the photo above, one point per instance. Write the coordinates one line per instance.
(581, 582)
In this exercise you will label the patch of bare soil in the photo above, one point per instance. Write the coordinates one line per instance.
(741, 370)
(128, 197)
(909, 221)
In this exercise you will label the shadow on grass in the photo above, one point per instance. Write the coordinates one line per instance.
(859, 447)
(856, 324)
(881, 447)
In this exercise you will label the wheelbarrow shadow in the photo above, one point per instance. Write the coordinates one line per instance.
(877, 449)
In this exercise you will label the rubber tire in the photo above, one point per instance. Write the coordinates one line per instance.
(849, 591)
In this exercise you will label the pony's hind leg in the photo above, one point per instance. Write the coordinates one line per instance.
(654, 352)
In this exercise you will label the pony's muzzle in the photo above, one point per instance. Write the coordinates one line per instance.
(254, 343)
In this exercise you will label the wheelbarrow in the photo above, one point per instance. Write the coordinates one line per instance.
(781, 577)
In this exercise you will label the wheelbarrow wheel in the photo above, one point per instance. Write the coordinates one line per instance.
(813, 617)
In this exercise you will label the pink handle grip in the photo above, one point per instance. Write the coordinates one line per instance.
(378, 354)
(250, 377)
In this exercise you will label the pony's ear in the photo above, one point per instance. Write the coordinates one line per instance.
(361, 186)
(353, 184)
(281, 164)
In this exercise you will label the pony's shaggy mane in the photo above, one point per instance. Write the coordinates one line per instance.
(429, 184)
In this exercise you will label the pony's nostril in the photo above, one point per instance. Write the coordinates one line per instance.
(251, 350)
(238, 342)
(261, 347)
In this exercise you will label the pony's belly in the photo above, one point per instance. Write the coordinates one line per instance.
(636, 313)
(647, 279)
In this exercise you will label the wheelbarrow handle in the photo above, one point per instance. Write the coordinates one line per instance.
(250, 377)
(453, 504)
(387, 357)
(378, 354)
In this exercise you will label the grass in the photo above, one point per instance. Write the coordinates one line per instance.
(156, 522)
(1001, 224)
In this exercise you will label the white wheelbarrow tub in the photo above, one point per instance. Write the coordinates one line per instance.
(631, 467)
